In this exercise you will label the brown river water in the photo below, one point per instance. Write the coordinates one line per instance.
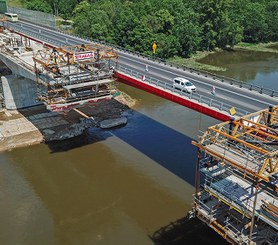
(117, 186)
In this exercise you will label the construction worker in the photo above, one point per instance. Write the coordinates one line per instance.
(213, 90)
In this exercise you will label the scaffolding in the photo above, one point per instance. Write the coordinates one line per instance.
(237, 178)
(73, 75)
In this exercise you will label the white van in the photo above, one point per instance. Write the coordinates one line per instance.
(11, 17)
(184, 85)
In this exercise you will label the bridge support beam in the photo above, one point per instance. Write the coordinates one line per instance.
(19, 92)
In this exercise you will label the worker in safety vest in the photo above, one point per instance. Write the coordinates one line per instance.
(213, 90)
(154, 49)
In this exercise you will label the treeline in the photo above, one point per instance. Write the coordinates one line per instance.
(180, 27)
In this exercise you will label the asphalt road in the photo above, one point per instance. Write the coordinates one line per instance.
(242, 98)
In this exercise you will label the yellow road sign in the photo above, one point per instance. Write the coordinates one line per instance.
(233, 111)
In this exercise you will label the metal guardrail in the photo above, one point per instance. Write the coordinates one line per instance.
(201, 99)
(231, 81)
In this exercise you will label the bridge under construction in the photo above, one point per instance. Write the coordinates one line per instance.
(237, 178)
(65, 76)
(69, 75)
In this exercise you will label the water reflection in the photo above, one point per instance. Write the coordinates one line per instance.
(164, 145)
(260, 68)
(108, 186)
(186, 231)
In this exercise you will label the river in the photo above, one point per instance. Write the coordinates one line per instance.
(117, 186)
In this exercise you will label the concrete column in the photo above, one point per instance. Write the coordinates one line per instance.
(19, 92)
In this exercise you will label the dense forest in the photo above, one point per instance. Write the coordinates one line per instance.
(179, 27)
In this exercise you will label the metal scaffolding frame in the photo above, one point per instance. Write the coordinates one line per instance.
(74, 74)
(237, 180)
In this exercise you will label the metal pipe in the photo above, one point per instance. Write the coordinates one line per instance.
(231, 124)
(197, 175)
(270, 109)
(254, 210)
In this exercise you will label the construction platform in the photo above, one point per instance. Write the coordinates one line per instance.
(237, 178)
(65, 77)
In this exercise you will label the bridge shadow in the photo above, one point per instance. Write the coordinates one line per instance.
(164, 145)
(89, 136)
(186, 231)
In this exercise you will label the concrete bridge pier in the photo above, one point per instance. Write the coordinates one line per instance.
(18, 92)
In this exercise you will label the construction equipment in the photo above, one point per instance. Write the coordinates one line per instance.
(73, 75)
(238, 163)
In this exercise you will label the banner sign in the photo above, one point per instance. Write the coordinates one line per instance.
(79, 56)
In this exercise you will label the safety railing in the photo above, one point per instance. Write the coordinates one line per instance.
(201, 99)
(241, 84)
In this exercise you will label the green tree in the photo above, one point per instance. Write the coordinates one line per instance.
(167, 45)
(254, 22)
(66, 8)
(39, 5)
(100, 24)
(180, 27)
(232, 35)
(160, 21)
(186, 30)
(216, 24)
(272, 20)
(81, 19)
(123, 25)
(139, 38)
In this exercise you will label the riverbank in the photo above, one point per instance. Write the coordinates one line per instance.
(34, 125)
(193, 61)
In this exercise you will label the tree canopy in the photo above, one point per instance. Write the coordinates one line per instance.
(180, 27)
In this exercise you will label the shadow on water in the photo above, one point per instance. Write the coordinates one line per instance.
(166, 146)
(186, 231)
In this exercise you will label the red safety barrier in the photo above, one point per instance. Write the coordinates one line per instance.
(169, 96)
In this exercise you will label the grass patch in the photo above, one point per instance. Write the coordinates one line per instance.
(260, 47)
(15, 3)
(193, 63)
